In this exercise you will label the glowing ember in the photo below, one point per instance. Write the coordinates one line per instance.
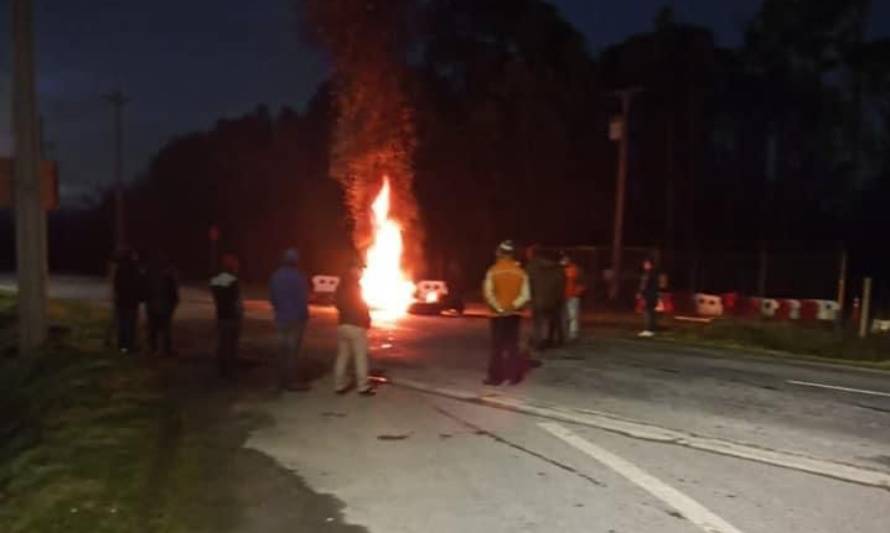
(385, 287)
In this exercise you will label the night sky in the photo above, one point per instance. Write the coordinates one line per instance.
(186, 63)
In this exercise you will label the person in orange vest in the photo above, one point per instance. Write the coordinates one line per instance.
(574, 290)
(506, 291)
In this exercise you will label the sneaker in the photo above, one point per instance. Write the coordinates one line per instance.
(646, 334)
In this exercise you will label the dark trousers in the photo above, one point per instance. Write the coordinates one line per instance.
(228, 338)
(126, 318)
(290, 339)
(649, 316)
(556, 333)
(160, 327)
(505, 361)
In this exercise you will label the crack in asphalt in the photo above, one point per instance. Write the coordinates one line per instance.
(501, 440)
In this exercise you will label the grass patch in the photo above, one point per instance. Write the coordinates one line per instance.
(816, 340)
(89, 440)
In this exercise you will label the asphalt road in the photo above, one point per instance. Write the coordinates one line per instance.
(610, 435)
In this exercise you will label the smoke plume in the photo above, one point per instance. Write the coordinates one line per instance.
(374, 135)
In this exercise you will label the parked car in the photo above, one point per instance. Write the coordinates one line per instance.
(432, 297)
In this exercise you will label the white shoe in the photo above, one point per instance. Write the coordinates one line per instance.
(646, 334)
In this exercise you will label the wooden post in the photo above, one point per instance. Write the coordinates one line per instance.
(626, 96)
(30, 217)
(866, 308)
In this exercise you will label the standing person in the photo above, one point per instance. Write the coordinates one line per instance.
(547, 285)
(506, 290)
(226, 290)
(352, 332)
(127, 296)
(161, 300)
(574, 288)
(649, 294)
(289, 295)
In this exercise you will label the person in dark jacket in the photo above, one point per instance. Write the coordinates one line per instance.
(352, 332)
(229, 314)
(547, 281)
(648, 293)
(161, 300)
(127, 296)
(289, 295)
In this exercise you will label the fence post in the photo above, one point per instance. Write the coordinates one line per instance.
(866, 308)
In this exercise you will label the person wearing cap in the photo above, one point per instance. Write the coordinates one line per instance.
(573, 291)
(289, 296)
(506, 290)
(354, 321)
(226, 290)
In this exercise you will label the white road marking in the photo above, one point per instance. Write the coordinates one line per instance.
(645, 431)
(838, 388)
(693, 511)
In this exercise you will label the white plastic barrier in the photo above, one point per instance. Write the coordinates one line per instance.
(708, 304)
(431, 290)
(880, 326)
(828, 309)
(769, 306)
(793, 309)
(325, 284)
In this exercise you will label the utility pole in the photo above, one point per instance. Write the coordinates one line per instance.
(30, 217)
(626, 96)
(118, 100)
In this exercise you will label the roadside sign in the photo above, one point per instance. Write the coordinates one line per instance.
(49, 183)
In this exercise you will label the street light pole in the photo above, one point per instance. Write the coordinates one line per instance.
(30, 217)
(626, 96)
(118, 100)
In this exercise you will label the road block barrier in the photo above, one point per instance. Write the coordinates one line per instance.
(708, 305)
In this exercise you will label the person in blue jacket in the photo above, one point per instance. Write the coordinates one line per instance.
(289, 295)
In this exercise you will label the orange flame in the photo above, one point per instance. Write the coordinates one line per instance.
(385, 287)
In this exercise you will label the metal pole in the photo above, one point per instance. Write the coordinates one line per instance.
(866, 308)
(118, 101)
(30, 218)
(626, 96)
(842, 287)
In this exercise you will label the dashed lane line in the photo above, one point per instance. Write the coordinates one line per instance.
(838, 388)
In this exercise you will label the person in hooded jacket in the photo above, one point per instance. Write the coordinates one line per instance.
(289, 296)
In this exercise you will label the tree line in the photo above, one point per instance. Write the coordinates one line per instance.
(783, 140)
